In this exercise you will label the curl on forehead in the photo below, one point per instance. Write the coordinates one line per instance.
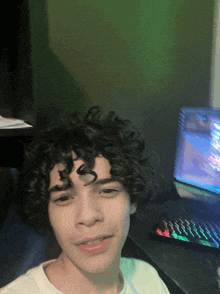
(61, 171)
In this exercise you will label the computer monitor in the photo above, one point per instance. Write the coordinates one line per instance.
(197, 161)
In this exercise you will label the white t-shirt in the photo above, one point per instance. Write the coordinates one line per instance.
(139, 277)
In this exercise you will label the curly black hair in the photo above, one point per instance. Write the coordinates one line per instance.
(109, 136)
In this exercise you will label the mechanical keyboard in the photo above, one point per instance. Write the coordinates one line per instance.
(194, 230)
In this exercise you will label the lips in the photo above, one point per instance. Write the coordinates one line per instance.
(94, 239)
(98, 248)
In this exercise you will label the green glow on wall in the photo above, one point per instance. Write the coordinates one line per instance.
(133, 41)
(143, 59)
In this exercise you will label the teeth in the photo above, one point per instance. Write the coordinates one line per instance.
(94, 242)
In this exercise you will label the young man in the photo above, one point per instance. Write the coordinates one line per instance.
(83, 179)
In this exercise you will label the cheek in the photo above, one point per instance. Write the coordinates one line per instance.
(59, 221)
(126, 222)
(119, 215)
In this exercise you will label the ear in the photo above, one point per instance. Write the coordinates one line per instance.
(133, 208)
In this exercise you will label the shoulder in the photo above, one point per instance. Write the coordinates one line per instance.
(142, 276)
(24, 284)
(33, 282)
(131, 265)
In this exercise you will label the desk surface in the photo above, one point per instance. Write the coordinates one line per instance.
(194, 271)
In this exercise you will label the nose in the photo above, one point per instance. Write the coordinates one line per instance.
(89, 211)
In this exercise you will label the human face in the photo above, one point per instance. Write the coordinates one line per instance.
(90, 211)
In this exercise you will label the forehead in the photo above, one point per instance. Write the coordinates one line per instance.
(101, 168)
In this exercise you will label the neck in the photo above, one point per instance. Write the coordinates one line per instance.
(81, 281)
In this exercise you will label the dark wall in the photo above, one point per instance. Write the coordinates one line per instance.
(143, 59)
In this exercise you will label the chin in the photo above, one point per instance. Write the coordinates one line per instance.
(99, 264)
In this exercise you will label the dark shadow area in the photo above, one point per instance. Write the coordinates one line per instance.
(35, 85)
(16, 70)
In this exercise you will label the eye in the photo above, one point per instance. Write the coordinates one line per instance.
(109, 192)
(63, 198)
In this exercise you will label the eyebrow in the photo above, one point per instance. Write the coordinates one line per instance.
(104, 181)
(58, 188)
(67, 186)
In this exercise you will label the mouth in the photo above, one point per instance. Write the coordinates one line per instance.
(93, 241)
(97, 246)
